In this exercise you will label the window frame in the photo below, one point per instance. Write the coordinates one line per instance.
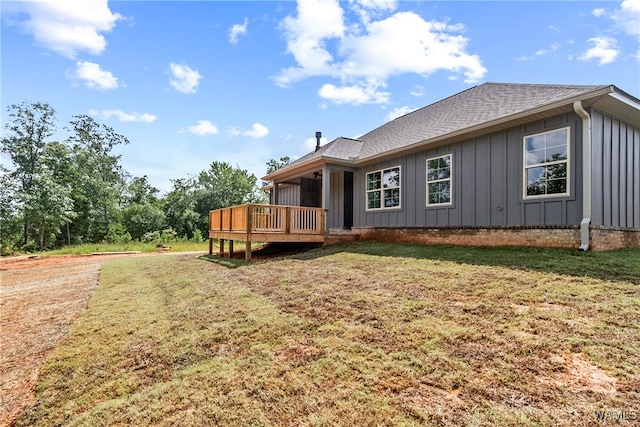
(526, 167)
(381, 189)
(450, 180)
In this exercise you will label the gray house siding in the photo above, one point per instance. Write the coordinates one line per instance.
(487, 184)
(615, 172)
(335, 215)
(289, 195)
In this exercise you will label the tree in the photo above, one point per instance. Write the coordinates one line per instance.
(100, 174)
(49, 205)
(30, 125)
(223, 185)
(141, 218)
(139, 191)
(58, 159)
(9, 218)
(179, 207)
(273, 165)
(142, 211)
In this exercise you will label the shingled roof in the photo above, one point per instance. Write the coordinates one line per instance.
(480, 105)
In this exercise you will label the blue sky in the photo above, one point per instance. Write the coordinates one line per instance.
(244, 82)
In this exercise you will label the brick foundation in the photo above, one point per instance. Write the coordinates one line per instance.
(601, 238)
(564, 237)
(609, 238)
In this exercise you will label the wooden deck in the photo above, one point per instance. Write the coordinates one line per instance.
(266, 223)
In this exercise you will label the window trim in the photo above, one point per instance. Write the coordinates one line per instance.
(381, 189)
(450, 179)
(525, 167)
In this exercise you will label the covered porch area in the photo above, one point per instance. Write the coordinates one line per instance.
(265, 223)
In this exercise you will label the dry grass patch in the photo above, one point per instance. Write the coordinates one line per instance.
(352, 335)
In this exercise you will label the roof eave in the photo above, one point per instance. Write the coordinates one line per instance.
(554, 105)
(290, 170)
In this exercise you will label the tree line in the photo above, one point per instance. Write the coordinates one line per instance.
(75, 191)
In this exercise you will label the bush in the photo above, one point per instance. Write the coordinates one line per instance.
(197, 236)
(117, 234)
(151, 237)
(168, 235)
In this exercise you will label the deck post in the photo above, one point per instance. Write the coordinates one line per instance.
(247, 249)
(210, 246)
(221, 247)
(287, 220)
(326, 187)
(230, 249)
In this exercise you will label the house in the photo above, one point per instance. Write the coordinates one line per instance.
(497, 164)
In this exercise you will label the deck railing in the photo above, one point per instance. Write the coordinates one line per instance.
(267, 219)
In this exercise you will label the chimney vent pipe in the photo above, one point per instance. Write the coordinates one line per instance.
(318, 136)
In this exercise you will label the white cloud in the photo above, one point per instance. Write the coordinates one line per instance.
(366, 9)
(625, 21)
(627, 17)
(605, 50)
(317, 21)
(376, 4)
(369, 52)
(124, 117)
(69, 26)
(237, 30)
(310, 145)
(203, 128)
(93, 76)
(356, 95)
(184, 79)
(417, 91)
(541, 52)
(397, 112)
(257, 131)
(553, 48)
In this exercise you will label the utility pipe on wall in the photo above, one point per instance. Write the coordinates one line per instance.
(586, 175)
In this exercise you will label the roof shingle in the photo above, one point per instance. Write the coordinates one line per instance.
(478, 105)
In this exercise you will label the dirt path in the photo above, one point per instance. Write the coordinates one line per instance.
(39, 300)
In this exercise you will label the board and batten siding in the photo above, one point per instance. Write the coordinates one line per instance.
(615, 172)
(289, 194)
(335, 215)
(487, 184)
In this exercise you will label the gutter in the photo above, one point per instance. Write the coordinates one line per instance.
(586, 175)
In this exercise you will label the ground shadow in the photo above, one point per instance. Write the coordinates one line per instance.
(618, 265)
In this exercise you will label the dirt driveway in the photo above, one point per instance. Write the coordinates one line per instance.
(39, 300)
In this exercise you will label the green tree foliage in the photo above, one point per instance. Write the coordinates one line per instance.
(76, 191)
(179, 207)
(273, 164)
(10, 224)
(139, 191)
(221, 186)
(49, 206)
(142, 211)
(100, 174)
(29, 126)
(140, 218)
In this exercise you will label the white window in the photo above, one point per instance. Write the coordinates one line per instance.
(383, 188)
(546, 164)
(439, 180)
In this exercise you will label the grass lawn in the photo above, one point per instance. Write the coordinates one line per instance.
(363, 334)
(89, 248)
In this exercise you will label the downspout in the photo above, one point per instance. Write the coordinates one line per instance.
(586, 175)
